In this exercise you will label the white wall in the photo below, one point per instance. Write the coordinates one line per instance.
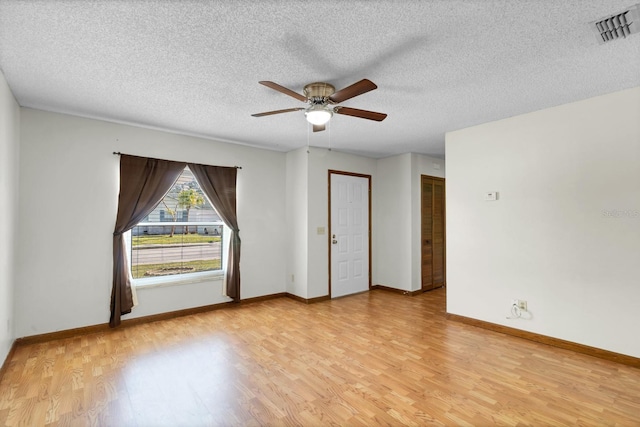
(565, 232)
(297, 219)
(395, 221)
(398, 238)
(9, 158)
(307, 210)
(393, 238)
(64, 257)
(68, 203)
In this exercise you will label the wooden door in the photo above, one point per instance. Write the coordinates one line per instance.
(433, 232)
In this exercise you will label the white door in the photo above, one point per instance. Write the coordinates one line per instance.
(349, 234)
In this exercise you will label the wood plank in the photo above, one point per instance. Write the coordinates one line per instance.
(376, 358)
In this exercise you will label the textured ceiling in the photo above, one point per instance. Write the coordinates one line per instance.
(193, 67)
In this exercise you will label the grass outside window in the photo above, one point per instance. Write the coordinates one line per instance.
(141, 271)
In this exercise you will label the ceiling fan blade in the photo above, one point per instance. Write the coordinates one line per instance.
(363, 114)
(363, 86)
(268, 113)
(282, 89)
(318, 128)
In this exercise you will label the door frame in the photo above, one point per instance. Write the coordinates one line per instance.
(444, 224)
(359, 175)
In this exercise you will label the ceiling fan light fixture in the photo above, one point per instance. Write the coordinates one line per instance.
(318, 114)
(321, 99)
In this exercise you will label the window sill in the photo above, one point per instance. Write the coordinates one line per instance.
(156, 282)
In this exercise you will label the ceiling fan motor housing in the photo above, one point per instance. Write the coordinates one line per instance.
(319, 92)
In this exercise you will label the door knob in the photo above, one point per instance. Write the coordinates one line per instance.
(334, 241)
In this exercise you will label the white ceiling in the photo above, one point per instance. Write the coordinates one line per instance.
(193, 67)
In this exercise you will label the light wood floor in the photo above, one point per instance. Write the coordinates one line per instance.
(377, 358)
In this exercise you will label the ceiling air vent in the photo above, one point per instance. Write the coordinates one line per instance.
(617, 26)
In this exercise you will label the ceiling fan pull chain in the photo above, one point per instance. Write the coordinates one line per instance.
(308, 133)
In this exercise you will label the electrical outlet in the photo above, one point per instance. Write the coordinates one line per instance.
(521, 304)
(293, 278)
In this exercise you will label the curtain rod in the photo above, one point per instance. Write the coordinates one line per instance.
(117, 153)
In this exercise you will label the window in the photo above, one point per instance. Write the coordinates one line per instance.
(182, 235)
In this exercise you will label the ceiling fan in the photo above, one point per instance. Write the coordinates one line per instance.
(322, 98)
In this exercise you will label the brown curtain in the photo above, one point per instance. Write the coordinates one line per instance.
(143, 183)
(219, 184)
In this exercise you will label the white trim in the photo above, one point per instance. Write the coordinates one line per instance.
(178, 279)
